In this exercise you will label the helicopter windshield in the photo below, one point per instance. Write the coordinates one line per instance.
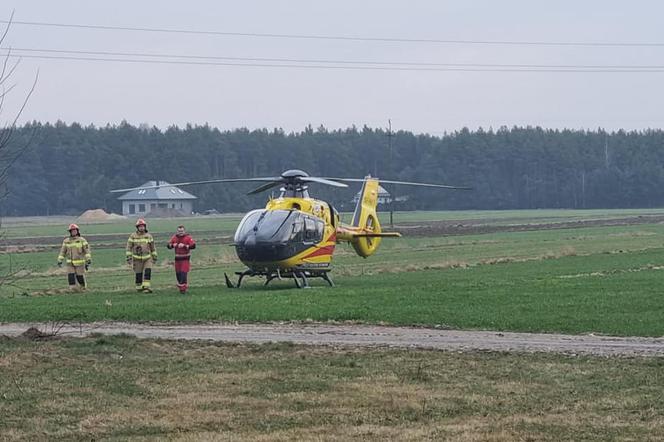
(267, 225)
(247, 224)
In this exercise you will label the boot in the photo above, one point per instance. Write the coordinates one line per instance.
(139, 282)
(81, 282)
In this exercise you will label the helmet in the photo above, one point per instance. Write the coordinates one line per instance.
(141, 222)
(72, 227)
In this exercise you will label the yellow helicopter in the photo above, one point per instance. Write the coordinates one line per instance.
(295, 235)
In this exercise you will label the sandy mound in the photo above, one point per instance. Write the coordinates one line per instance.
(99, 215)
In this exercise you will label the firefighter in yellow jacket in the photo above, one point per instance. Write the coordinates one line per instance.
(141, 254)
(75, 251)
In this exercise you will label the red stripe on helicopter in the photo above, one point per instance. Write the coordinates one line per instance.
(327, 250)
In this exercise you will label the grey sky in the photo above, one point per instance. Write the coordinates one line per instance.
(230, 96)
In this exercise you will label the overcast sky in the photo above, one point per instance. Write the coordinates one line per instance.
(431, 101)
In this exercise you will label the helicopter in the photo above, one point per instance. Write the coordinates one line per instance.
(295, 235)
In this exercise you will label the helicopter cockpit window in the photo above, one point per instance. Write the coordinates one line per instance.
(266, 226)
(320, 229)
(297, 234)
(275, 225)
(247, 224)
(313, 230)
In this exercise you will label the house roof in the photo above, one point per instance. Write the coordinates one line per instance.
(164, 192)
(381, 192)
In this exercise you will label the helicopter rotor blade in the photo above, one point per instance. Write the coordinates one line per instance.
(406, 183)
(191, 183)
(314, 179)
(441, 186)
(265, 187)
(274, 181)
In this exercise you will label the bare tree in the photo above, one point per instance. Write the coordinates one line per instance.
(10, 148)
(9, 151)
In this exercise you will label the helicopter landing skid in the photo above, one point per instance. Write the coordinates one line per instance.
(299, 276)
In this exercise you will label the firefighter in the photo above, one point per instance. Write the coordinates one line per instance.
(76, 251)
(141, 254)
(183, 244)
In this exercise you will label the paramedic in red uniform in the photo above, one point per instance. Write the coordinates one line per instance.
(183, 244)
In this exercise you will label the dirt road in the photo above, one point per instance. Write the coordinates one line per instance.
(366, 335)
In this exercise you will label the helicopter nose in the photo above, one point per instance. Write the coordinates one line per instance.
(251, 251)
(247, 252)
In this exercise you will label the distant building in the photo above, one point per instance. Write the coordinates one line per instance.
(384, 196)
(164, 198)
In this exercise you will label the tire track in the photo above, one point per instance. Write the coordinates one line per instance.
(364, 336)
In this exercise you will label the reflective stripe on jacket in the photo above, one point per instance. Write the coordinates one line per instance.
(140, 246)
(75, 250)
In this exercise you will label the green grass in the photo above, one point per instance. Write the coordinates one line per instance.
(226, 223)
(592, 279)
(406, 251)
(121, 388)
(616, 294)
(56, 226)
(603, 280)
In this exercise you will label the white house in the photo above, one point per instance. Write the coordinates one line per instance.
(384, 196)
(141, 202)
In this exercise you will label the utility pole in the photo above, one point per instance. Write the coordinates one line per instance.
(389, 141)
(583, 189)
(391, 170)
(606, 150)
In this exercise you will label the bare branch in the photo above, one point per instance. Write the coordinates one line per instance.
(9, 51)
(3, 95)
(11, 70)
(12, 278)
(5, 62)
(2, 100)
(9, 23)
(9, 153)
(19, 151)
(10, 131)
(18, 386)
(27, 98)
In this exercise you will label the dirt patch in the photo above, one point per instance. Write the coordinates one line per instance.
(99, 215)
(34, 334)
(23, 249)
(167, 212)
(480, 226)
(104, 241)
(356, 335)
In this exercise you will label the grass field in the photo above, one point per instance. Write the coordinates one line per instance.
(599, 279)
(119, 388)
(614, 294)
(55, 226)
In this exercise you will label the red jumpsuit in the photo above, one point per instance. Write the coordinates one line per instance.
(183, 245)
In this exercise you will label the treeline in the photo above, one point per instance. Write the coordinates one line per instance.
(70, 168)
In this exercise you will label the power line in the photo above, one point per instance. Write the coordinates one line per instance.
(342, 37)
(337, 67)
(288, 63)
(17, 51)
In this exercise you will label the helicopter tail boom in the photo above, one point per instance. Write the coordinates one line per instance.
(376, 235)
(364, 233)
